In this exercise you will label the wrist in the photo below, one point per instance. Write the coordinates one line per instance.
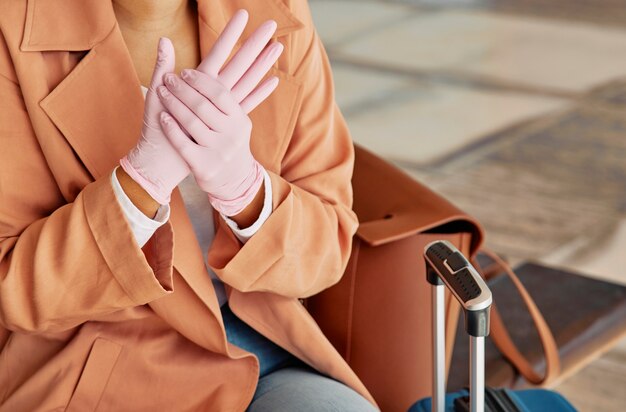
(252, 211)
(154, 190)
(137, 194)
(236, 206)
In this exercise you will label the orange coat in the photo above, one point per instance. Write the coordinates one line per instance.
(90, 321)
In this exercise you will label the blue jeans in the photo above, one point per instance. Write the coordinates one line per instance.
(285, 382)
(271, 356)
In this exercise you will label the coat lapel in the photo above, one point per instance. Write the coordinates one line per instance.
(98, 107)
(78, 26)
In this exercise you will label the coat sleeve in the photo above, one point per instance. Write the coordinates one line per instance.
(304, 246)
(62, 264)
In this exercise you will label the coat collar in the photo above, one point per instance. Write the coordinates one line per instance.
(81, 24)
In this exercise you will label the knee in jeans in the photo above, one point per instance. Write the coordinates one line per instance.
(305, 390)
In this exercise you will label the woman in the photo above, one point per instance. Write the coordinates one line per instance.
(99, 308)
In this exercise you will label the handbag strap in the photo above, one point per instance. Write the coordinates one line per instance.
(502, 338)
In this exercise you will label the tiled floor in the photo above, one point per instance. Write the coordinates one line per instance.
(555, 55)
(515, 111)
(603, 13)
(464, 115)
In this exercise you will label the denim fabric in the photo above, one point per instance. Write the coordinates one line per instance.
(286, 383)
(271, 356)
(302, 389)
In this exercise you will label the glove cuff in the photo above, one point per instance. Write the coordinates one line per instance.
(251, 186)
(154, 190)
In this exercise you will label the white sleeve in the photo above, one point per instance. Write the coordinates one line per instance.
(142, 226)
(246, 233)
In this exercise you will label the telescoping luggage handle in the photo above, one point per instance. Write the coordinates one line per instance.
(445, 265)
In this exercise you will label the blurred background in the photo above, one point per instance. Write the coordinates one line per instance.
(513, 110)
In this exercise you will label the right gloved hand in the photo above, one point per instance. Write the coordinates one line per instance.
(154, 164)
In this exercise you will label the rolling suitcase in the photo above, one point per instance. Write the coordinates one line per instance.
(447, 267)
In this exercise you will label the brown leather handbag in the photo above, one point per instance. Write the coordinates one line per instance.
(378, 315)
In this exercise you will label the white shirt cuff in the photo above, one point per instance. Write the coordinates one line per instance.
(141, 225)
(246, 233)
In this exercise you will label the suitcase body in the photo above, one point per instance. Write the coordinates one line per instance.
(527, 400)
(447, 267)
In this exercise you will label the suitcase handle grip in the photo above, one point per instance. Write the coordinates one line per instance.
(445, 265)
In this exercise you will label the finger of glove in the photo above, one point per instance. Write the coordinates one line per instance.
(202, 107)
(247, 54)
(165, 62)
(259, 95)
(213, 90)
(255, 73)
(187, 119)
(187, 149)
(223, 46)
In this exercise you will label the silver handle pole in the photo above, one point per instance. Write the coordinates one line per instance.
(439, 363)
(477, 373)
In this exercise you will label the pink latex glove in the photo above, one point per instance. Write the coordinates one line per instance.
(153, 163)
(211, 114)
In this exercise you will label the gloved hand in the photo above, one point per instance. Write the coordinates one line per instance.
(211, 114)
(153, 163)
